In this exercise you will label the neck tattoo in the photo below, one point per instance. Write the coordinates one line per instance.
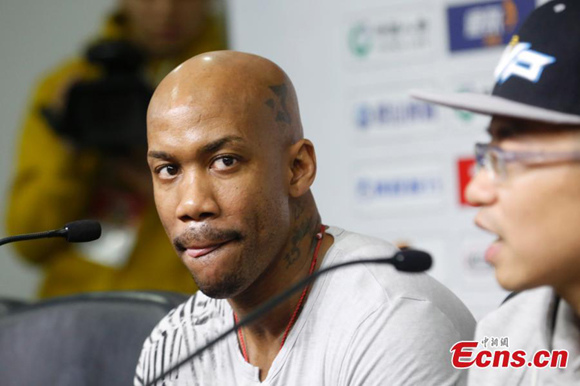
(294, 316)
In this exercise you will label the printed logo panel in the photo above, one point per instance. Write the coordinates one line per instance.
(388, 35)
(466, 123)
(473, 258)
(391, 115)
(379, 188)
(384, 114)
(486, 24)
(466, 169)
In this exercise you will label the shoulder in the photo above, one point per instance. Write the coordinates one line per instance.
(522, 323)
(394, 290)
(349, 243)
(408, 320)
(184, 329)
(172, 322)
(409, 338)
(520, 314)
(198, 310)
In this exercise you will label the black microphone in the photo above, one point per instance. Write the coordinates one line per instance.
(74, 232)
(408, 260)
(411, 260)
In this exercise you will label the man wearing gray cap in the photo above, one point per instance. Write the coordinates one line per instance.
(528, 193)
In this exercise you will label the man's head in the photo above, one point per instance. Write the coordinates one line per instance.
(230, 167)
(532, 204)
(529, 189)
(165, 27)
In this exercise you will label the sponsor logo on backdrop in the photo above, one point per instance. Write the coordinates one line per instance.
(473, 256)
(475, 262)
(390, 186)
(466, 168)
(371, 189)
(468, 116)
(360, 39)
(485, 24)
(386, 114)
(378, 35)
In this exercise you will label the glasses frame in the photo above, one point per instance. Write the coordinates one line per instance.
(495, 159)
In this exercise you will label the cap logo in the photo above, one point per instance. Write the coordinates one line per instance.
(521, 61)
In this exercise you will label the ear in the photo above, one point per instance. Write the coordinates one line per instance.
(302, 167)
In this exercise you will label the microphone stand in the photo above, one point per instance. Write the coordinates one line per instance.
(34, 236)
(80, 231)
(398, 258)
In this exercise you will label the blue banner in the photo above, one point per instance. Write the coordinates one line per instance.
(485, 24)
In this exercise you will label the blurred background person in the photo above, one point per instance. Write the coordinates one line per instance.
(82, 151)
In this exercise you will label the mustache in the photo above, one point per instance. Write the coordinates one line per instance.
(205, 235)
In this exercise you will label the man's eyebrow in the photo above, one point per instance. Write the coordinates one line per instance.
(209, 148)
(160, 155)
(216, 145)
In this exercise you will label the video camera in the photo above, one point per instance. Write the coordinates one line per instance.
(109, 113)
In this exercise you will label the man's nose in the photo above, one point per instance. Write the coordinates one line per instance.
(197, 201)
(481, 190)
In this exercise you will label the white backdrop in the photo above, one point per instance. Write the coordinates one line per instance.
(388, 166)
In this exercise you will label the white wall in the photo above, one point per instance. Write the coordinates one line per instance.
(34, 36)
(409, 48)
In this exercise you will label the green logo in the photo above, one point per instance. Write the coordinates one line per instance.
(360, 40)
(463, 115)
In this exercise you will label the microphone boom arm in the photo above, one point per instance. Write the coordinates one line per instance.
(34, 236)
(79, 231)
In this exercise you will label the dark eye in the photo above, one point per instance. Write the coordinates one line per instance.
(224, 162)
(167, 172)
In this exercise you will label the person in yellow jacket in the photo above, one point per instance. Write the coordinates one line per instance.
(57, 181)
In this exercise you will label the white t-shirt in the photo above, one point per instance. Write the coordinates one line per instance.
(363, 325)
(532, 320)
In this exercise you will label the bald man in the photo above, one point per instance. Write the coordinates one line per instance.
(232, 175)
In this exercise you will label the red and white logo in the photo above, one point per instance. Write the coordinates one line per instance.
(465, 354)
(465, 172)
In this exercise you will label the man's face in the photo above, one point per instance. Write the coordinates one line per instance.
(221, 189)
(165, 27)
(534, 211)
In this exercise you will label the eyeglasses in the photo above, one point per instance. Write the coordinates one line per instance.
(495, 159)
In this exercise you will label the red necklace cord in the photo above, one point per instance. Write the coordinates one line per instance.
(319, 236)
(241, 338)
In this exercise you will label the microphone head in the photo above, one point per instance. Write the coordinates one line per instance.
(412, 260)
(82, 231)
